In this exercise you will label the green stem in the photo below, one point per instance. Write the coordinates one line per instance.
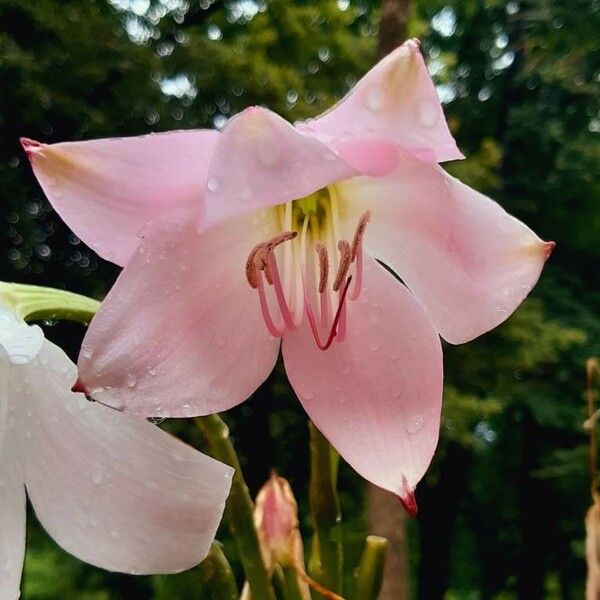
(239, 507)
(326, 559)
(37, 303)
(216, 577)
(369, 575)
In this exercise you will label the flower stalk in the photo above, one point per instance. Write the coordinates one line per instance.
(369, 574)
(326, 560)
(216, 576)
(239, 507)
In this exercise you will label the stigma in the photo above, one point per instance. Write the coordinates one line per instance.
(308, 269)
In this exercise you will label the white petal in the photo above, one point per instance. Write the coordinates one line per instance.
(12, 525)
(112, 489)
(19, 342)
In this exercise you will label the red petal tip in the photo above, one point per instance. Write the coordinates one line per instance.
(30, 146)
(548, 247)
(407, 498)
(79, 386)
(409, 502)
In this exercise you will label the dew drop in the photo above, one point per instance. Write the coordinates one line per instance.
(212, 184)
(415, 424)
(307, 393)
(374, 99)
(428, 114)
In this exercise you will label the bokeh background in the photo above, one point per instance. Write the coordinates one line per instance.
(502, 507)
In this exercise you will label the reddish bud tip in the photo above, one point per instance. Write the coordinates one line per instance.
(30, 146)
(79, 387)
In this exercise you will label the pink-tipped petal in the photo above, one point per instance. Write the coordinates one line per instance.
(181, 332)
(377, 395)
(110, 488)
(12, 522)
(261, 160)
(395, 101)
(467, 261)
(106, 190)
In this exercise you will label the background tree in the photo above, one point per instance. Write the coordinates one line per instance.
(501, 510)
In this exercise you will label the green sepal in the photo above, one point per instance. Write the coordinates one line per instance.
(37, 303)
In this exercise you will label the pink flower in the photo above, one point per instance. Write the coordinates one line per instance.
(110, 488)
(270, 234)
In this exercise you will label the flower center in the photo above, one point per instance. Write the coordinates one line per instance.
(308, 268)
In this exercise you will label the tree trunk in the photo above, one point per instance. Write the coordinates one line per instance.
(387, 518)
(392, 25)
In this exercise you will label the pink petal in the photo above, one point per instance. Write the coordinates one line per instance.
(376, 395)
(12, 523)
(112, 489)
(107, 190)
(261, 160)
(467, 261)
(395, 101)
(181, 332)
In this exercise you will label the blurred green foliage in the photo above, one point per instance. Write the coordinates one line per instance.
(501, 510)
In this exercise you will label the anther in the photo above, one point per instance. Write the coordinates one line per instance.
(323, 265)
(358, 234)
(345, 262)
(259, 257)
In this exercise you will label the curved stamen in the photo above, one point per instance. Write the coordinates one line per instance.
(345, 262)
(283, 305)
(360, 231)
(334, 327)
(259, 255)
(264, 307)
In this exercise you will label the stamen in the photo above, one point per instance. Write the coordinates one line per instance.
(358, 234)
(323, 265)
(258, 257)
(333, 332)
(283, 305)
(264, 307)
(345, 262)
(251, 274)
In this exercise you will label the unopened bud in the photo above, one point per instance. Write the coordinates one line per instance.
(276, 521)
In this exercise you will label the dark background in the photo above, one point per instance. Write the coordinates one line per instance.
(501, 510)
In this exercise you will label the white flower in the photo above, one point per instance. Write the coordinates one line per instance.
(112, 489)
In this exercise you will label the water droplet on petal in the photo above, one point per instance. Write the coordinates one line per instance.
(374, 98)
(428, 113)
(415, 424)
(212, 184)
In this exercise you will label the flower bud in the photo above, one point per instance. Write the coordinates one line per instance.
(276, 521)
